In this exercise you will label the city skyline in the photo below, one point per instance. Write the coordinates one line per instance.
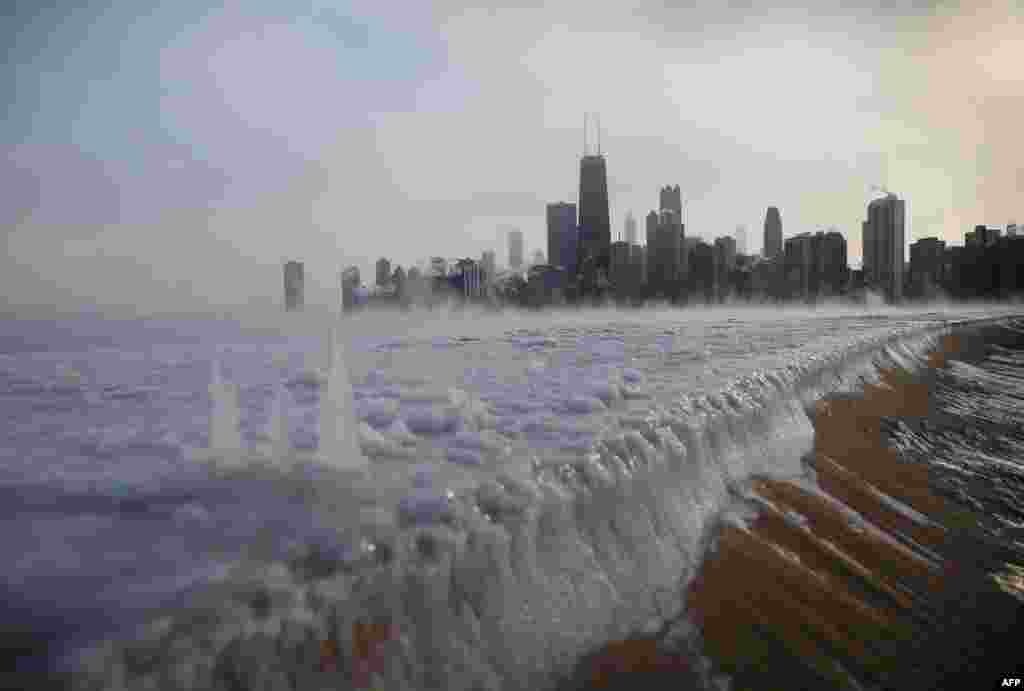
(172, 148)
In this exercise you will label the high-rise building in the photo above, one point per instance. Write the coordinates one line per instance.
(515, 249)
(294, 289)
(671, 199)
(595, 234)
(883, 246)
(489, 265)
(927, 256)
(561, 218)
(383, 272)
(350, 280)
(799, 265)
(724, 262)
(834, 267)
(664, 253)
(538, 257)
(631, 235)
(1012, 229)
(620, 270)
(741, 239)
(772, 233)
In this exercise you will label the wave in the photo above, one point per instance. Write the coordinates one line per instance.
(508, 584)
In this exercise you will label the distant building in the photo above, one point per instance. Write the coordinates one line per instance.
(772, 233)
(349, 284)
(383, 272)
(799, 265)
(594, 216)
(664, 272)
(1012, 230)
(294, 288)
(927, 256)
(595, 236)
(489, 265)
(700, 277)
(724, 263)
(621, 271)
(741, 239)
(438, 267)
(538, 258)
(561, 221)
(883, 246)
(986, 237)
(833, 267)
(515, 249)
(670, 198)
(631, 232)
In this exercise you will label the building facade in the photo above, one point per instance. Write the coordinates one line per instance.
(515, 249)
(883, 246)
(595, 235)
(294, 285)
(561, 222)
(383, 271)
(772, 233)
(927, 257)
(630, 229)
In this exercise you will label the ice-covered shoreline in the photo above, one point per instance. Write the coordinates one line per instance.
(519, 577)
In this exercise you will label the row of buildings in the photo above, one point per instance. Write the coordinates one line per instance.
(583, 263)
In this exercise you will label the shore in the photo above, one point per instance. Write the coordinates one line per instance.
(907, 592)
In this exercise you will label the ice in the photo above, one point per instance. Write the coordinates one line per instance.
(339, 442)
(225, 420)
(542, 515)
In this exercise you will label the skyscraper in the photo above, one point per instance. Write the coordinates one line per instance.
(595, 233)
(631, 236)
(883, 246)
(561, 219)
(489, 265)
(772, 233)
(383, 272)
(671, 199)
(741, 239)
(515, 249)
(294, 277)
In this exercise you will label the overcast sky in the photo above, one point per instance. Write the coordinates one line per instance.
(160, 155)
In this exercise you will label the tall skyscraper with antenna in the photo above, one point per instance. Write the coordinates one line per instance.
(595, 233)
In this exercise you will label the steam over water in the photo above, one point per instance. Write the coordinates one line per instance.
(537, 484)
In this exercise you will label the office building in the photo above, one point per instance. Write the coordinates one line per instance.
(294, 288)
(621, 269)
(515, 249)
(538, 258)
(350, 281)
(595, 235)
(701, 271)
(927, 257)
(489, 265)
(671, 199)
(798, 265)
(772, 233)
(561, 221)
(631, 230)
(833, 267)
(383, 272)
(741, 239)
(883, 246)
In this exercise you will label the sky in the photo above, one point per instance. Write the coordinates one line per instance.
(175, 155)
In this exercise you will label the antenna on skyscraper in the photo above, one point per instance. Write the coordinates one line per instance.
(597, 119)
